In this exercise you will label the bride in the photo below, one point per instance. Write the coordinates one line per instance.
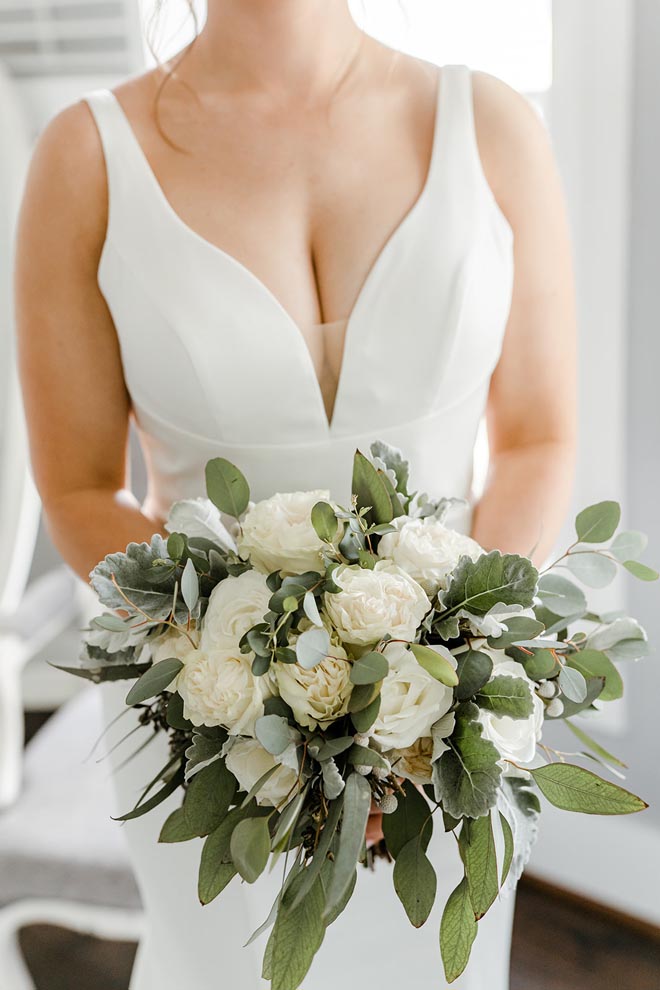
(286, 243)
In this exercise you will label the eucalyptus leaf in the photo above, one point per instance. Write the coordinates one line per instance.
(312, 646)
(365, 718)
(274, 733)
(593, 569)
(190, 585)
(154, 681)
(296, 937)
(227, 487)
(640, 571)
(324, 521)
(436, 661)
(357, 802)
(561, 596)
(477, 846)
(249, 847)
(573, 684)
(628, 545)
(370, 490)
(311, 609)
(415, 882)
(598, 523)
(369, 668)
(458, 930)
(410, 819)
(573, 788)
(593, 745)
(594, 663)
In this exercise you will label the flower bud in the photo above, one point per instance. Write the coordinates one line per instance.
(547, 689)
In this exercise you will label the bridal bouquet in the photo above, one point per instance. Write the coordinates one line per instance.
(310, 661)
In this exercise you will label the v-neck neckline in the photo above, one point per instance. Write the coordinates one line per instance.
(293, 328)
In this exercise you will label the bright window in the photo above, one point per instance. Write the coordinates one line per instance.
(511, 39)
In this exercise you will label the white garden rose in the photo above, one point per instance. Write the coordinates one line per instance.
(318, 696)
(411, 701)
(515, 739)
(174, 644)
(427, 550)
(219, 688)
(415, 762)
(374, 602)
(248, 761)
(277, 533)
(235, 605)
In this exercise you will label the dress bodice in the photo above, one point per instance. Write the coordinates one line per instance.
(215, 366)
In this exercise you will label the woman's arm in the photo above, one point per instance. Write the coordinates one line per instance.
(531, 411)
(76, 401)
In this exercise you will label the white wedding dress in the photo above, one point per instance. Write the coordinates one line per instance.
(216, 366)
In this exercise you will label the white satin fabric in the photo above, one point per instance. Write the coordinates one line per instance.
(215, 366)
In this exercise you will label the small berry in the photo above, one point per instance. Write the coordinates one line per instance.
(547, 689)
(388, 804)
(363, 769)
(555, 708)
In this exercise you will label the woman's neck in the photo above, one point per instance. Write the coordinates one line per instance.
(285, 46)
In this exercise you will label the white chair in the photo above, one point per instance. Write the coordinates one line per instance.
(62, 859)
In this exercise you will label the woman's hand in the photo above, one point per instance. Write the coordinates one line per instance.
(374, 825)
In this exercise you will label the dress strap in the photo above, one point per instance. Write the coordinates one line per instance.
(127, 184)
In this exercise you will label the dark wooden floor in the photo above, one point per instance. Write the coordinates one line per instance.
(559, 943)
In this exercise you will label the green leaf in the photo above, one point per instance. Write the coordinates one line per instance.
(593, 663)
(573, 788)
(274, 733)
(203, 751)
(362, 696)
(216, 868)
(176, 828)
(435, 661)
(208, 797)
(154, 680)
(593, 745)
(505, 695)
(333, 747)
(477, 845)
(325, 522)
(518, 627)
(573, 684)
(370, 490)
(541, 665)
(623, 638)
(312, 647)
(364, 756)
(190, 585)
(628, 545)
(474, 670)
(561, 596)
(467, 776)
(143, 807)
(296, 937)
(507, 835)
(312, 871)
(250, 847)
(226, 487)
(175, 717)
(598, 523)
(640, 571)
(458, 930)
(415, 882)
(370, 668)
(477, 585)
(394, 461)
(143, 574)
(357, 802)
(411, 817)
(595, 686)
(365, 718)
(593, 569)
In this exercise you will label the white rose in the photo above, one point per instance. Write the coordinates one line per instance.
(235, 605)
(427, 550)
(374, 602)
(515, 739)
(278, 533)
(173, 644)
(219, 688)
(318, 696)
(248, 761)
(411, 701)
(415, 762)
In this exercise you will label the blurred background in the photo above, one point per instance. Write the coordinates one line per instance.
(592, 69)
